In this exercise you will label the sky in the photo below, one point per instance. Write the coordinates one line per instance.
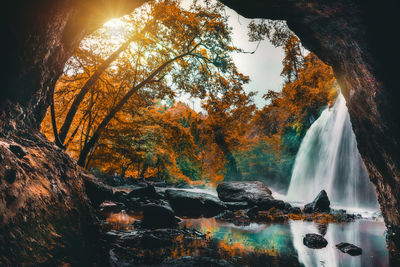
(263, 67)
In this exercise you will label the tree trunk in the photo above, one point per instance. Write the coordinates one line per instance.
(86, 87)
(232, 169)
(96, 135)
(54, 124)
(144, 169)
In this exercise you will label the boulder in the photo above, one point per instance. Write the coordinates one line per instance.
(158, 216)
(120, 195)
(237, 205)
(250, 191)
(96, 190)
(314, 241)
(193, 204)
(267, 203)
(350, 249)
(142, 191)
(270, 203)
(110, 206)
(320, 204)
(134, 204)
(295, 210)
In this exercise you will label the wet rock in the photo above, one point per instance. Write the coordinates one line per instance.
(295, 210)
(110, 206)
(134, 204)
(251, 191)
(314, 241)
(343, 216)
(152, 241)
(237, 218)
(268, 203)
(194, 204)
(158, 216)
(142, 191)
(10, 176)
(183, 185)
(96, 190)
(18, 151)
(226, 216)
(253, 212)
(150, 247)
(322, 228)
(320, 204)
(160, 184)
(271, 215)
(350, 249)
(120, 196)
(237, 205)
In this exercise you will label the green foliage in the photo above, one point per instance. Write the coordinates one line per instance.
(189, 168)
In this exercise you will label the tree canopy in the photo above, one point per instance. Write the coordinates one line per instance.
(117, 108)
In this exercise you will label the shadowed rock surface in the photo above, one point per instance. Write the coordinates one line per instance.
(243, 191)
(194, 204)
(349, 249)
(320, 204)
(314, 241)
(158, 216)
(45, 216)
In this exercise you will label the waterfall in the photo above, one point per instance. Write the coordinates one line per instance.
(328, 159)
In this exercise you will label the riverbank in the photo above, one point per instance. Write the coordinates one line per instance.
(231, 237)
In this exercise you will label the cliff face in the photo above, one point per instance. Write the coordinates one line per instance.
(45, 216)
(41, 36)
(358, 39)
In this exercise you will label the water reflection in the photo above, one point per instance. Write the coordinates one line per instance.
(369, 235)
(273, 239)
(278, 244)
(284, 240)
(121, 220)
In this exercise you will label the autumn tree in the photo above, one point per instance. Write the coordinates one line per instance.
(309, 83)
(227, 124)
(178, 50)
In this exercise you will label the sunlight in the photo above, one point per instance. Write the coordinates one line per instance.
(114, 28)
(113, 23)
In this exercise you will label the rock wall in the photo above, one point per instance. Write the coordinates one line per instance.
(41, 36)
(45, 217)
(358, 39)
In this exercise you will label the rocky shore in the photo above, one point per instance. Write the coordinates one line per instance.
(155, 237)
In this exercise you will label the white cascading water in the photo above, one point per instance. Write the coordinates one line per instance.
(328, 159)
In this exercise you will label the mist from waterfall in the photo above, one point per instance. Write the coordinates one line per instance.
(328, 159)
